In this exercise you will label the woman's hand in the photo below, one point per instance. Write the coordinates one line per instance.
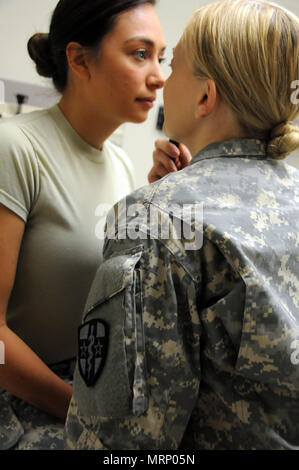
(168, 158)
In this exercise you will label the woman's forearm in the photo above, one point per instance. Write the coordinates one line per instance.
(27, 377)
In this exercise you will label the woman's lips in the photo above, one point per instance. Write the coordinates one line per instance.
(146, 102)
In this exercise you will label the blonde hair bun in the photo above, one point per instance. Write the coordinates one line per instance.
(284, 139)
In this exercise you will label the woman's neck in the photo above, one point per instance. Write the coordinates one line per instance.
(86, 120)
(212, 129)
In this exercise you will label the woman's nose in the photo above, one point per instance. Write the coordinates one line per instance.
(156, 78)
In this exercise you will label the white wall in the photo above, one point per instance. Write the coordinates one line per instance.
(19, 19)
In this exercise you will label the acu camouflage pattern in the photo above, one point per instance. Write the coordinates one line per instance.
(200, 348)
(24, 427)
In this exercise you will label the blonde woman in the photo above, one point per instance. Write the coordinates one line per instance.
(197, 331)
(57, 169)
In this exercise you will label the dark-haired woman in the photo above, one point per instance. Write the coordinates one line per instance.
(56, 170)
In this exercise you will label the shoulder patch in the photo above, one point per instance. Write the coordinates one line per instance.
(93, 339)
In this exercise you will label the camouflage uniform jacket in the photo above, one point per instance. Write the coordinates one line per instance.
(197, 348)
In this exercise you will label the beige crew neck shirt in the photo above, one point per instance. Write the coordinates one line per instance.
(61, 187)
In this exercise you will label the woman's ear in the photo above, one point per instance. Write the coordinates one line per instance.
(207, 99)
(77, 58)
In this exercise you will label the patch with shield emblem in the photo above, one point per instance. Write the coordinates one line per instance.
(93, 346)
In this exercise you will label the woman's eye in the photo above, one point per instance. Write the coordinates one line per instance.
(141, 54)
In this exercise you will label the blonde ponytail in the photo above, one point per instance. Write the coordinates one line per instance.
(284, 139)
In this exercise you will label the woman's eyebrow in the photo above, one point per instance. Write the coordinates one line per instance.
(147, 41)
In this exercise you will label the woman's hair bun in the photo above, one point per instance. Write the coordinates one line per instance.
(39, 50)
(284, 139)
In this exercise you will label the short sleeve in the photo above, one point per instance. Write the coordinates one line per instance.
(19, 174)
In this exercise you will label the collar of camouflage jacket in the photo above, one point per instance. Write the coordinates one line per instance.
(233, 148)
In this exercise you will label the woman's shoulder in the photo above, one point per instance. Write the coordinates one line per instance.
(20, 120)
(13, 129)
(17, 149)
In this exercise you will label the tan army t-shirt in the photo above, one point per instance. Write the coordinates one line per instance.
(60, 186)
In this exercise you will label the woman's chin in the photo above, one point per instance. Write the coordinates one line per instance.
(139, 119)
